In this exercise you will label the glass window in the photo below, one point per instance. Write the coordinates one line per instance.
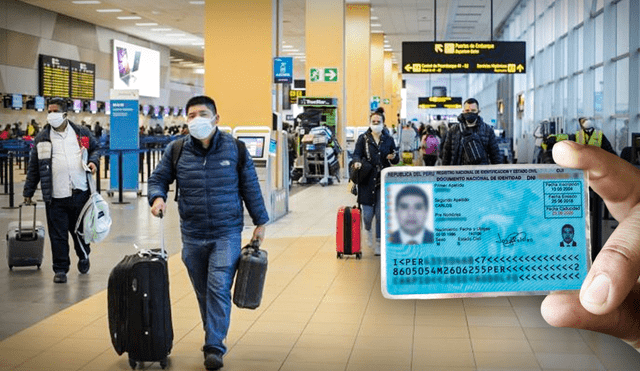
(579, 52)
(599, 5)
(562, 51)
(599, 47)
(622, 86)
(530, 12)
(622, 135)
(561, 17)
(622, 27)
(598, 97)
(579, 92)
(549, 25)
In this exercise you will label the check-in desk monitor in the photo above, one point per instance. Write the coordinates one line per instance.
(256, 145)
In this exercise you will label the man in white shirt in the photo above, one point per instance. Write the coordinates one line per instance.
(412, 210)
(56, 162)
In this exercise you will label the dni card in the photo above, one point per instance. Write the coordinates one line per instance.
(469, 231)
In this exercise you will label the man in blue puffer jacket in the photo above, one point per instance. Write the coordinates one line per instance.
(212, 186)
(470, 125)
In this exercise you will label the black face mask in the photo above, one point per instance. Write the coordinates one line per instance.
(470, 117)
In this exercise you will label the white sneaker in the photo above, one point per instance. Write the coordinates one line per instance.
(377, 248)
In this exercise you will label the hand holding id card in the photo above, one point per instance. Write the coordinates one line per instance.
(469, 231)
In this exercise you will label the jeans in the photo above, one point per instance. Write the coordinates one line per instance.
(212, 263)
(62, 215)
(368, 212)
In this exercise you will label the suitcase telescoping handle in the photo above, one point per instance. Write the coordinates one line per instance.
(162, 250)
(255, 245)
(20, 218)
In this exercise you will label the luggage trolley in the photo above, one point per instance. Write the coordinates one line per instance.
(320, 156)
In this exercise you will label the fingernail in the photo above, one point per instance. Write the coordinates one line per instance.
(598, 291)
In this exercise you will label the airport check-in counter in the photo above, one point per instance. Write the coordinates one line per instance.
(258, 140)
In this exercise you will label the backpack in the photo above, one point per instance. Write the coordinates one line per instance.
(472, 147)
(431, 145)
(176, 151)
(94, 218)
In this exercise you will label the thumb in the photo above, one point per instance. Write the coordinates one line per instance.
(616, 268)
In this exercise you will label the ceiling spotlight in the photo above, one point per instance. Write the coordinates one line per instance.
(129, 17)
(85, 2)
(146, 24)
(108, 10)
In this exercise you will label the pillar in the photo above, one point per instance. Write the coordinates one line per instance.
(377, 66)
(358, 56)
(324, 44)
(238, 60)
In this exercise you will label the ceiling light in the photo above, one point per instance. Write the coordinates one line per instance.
(196, 2)
(198, 71)
(374, 18)
(376, 25)
(161, 29)
(377, 31)
(287, 46)
(175, 34)
(108, 10)
(129, 17)
(85, 2)
(177, 60)
(146, 24)
(199, 43)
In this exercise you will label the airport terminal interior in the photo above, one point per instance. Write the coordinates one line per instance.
(571, 59)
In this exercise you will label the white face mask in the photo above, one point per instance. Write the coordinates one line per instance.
(201, 127)
(377, 128)
(55, 119)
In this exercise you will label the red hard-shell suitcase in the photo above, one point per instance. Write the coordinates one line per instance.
(348, 232)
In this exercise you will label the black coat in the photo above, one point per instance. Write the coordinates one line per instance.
(452, 150)
(369, 191)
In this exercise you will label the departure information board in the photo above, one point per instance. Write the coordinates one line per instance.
(82, 80)
(54, 76)
(66, 78)
(439, 102)
(464, 57)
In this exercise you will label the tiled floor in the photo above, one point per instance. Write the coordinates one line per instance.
(318, 312)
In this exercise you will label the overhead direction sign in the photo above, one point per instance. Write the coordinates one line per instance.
(464, 57)
(439, 102)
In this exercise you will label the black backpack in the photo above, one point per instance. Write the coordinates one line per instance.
(472, 147)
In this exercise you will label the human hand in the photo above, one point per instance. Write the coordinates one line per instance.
(357, 165)
(92, 167)
(391, 156)
(159, 206)
(609, 297)
(258, 234)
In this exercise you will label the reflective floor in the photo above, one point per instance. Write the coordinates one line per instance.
(318, 312)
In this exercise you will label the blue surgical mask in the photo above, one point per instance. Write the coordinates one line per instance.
(201, 127)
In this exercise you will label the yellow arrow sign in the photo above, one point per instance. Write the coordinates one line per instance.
(439, 48)
(520, 68)
(408, 67)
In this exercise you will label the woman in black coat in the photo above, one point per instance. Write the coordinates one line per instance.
(378, 148)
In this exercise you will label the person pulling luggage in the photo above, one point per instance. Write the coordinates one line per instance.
(215, 175)
(55, 162)
(378, 148)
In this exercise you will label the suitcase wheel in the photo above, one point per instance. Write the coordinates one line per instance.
(11, 267)
(132, 363)
(38, 266)
(358, 256)
(164, 363)
(339, 255)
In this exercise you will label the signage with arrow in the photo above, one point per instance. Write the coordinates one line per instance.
(440, 102)
(464, 57)
(321, 74)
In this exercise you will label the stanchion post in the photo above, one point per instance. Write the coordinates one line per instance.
(11, 191)
(6, 172)
(120, 185)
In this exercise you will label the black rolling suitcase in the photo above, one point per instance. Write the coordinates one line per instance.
(252, 271)
(25, 245)
(140, 308)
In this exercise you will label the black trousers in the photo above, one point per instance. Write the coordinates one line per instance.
(62, 215)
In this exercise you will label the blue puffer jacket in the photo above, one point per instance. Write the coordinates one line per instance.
(211, 190)
(39, 169)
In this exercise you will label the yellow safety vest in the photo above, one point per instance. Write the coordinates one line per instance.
(594, 140)
(559, 138)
